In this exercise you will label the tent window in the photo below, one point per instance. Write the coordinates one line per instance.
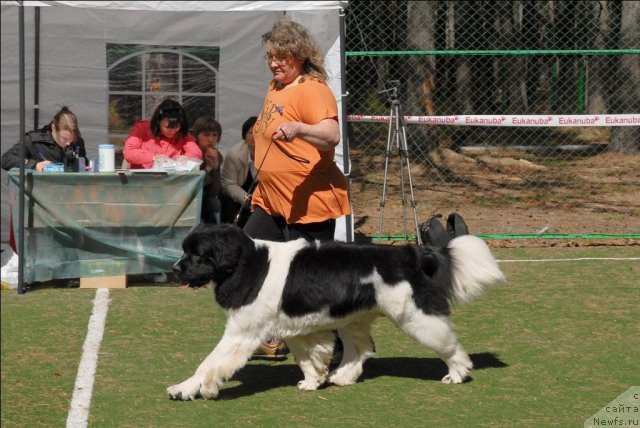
(141, 76)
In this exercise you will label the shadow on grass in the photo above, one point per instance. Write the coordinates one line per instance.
(256, 378)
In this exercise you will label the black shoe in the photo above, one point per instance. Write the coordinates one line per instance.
(338, 351)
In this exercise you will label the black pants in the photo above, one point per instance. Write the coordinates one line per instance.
(263, 226)
(230, 210)
(210, 209)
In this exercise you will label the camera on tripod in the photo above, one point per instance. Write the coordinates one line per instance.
(397, 136)
(391, 89)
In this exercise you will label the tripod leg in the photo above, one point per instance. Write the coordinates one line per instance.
(404, 152)
(387, 155)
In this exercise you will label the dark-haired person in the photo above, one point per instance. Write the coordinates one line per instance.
(238, 176)
(207, 132)
(50, 144)
(166, 134)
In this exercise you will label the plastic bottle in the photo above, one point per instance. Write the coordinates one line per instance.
(106, 158)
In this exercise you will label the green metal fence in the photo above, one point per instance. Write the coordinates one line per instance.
(557, 62)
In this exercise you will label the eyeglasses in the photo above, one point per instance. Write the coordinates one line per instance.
(277, 59)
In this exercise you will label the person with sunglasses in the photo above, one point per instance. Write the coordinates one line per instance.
(301, 191)
(165, 135)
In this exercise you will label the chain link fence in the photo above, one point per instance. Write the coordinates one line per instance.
(481, 59)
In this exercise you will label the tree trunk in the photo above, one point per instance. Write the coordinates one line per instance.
(421, 71)
(627, 91)
(596, 65)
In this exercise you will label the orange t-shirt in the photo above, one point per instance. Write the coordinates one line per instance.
(297, 191)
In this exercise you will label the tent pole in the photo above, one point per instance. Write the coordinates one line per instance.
(20, 240)
(36, 77)
(343, 119)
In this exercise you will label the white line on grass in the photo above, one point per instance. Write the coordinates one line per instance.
(81, 401)
(569, 260)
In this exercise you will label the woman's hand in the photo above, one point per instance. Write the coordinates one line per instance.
(211, 159)
(287, 131)
(324, 135)
(40, 165)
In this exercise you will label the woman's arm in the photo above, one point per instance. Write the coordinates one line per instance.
(11, 158)
(324, 135)
(133, 151)
(191, 149)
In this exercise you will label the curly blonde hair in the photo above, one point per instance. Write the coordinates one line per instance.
(288, 38)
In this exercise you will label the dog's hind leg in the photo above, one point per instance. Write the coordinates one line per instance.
(358, 346)
(436, 332)
(229, 356)
(313, 354)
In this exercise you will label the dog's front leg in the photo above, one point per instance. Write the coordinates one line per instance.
(229, 356)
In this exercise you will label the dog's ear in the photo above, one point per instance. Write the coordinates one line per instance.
(227, 243)
(220, 247)
(202, 242)
(432, 232)
(456, 226)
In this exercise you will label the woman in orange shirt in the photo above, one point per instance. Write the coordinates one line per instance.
(301, 190)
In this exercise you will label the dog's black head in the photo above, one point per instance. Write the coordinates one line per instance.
(211, 253)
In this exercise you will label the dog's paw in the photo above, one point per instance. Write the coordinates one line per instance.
(342, 378)
(309, 384)
(458, 373)
(187, 390)
(209, 390)
(454, 378)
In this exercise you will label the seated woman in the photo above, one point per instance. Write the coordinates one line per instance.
(53, 143)
(56, 142)
(166, 134)
(207, 132)
(238, 176)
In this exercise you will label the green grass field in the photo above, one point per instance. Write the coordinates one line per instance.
(551, 347)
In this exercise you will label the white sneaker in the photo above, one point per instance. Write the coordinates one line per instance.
(11, 263)
(160, 278)
(9, 273)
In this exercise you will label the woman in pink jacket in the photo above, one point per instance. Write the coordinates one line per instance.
(166, 134)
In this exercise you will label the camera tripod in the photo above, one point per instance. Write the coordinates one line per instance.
(397, 134)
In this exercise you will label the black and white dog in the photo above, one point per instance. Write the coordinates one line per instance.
(300, 291)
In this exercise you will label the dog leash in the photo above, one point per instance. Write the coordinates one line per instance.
(254, 183)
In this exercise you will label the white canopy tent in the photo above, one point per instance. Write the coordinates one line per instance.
(69, 63)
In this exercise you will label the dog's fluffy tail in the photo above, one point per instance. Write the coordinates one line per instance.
(473, 267)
